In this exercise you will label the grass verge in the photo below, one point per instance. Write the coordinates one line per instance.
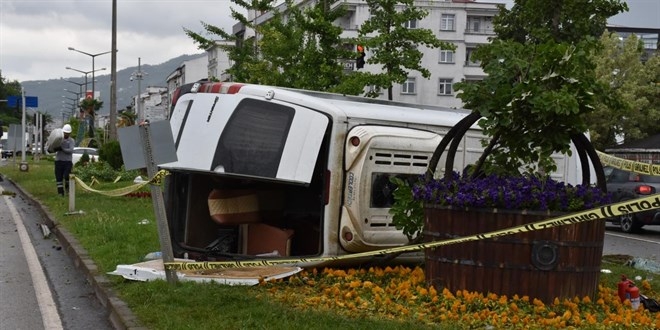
(113, 231)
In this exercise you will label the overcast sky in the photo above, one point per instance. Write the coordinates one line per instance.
(35, 34)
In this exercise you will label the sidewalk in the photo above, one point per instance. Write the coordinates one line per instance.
(120, 316)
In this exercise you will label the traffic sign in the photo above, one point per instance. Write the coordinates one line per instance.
(30, 101)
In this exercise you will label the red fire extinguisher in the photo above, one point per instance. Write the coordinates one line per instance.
(628, 290)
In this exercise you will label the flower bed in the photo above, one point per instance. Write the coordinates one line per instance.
(400, 293)
(139, 194)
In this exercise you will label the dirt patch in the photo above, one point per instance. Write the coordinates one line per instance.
(620, 259)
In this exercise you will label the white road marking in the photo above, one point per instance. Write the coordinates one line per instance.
(47, 306)
(633, 238)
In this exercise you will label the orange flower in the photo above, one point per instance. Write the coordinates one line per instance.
(513, 307)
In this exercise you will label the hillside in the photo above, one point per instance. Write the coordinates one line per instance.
(50, 91)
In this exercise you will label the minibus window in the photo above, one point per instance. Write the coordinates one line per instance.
(254, 139)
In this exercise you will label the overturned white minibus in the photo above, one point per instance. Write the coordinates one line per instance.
(268, 172)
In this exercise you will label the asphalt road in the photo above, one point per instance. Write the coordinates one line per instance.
(40, 287)
(645, 244)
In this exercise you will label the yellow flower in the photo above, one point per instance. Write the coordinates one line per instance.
(433, 292)
(513, 307)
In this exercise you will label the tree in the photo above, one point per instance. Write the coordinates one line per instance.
(297, 47)
(90, 106)
(633, 82)
(541, 81)
(128, 117)
(393, 45)
(244, 53)
(9, 115)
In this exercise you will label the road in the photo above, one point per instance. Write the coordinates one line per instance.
(40, 287)
(645, 244)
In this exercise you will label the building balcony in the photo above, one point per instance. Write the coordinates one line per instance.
(473, 71)
(482, 31)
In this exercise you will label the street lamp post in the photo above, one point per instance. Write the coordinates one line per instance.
(78, 95)
(72, 105)
(80, 85)
(93, 56)
(138, 75)
(86, 73)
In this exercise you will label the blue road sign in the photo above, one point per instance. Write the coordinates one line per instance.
(12, 100)
(30, 101)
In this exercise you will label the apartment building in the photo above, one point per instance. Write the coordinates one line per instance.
(464, 23)
(648, 36)
(189, 71)
(219, 61)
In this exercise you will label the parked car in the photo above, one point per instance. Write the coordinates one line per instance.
(6, 153)
(79, 151)
(626, 185)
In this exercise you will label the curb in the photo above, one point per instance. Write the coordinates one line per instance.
(119, 315)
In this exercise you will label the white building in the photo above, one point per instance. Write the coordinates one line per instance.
(154, 103)
(219, 61)
(188, 72)
(465, 23)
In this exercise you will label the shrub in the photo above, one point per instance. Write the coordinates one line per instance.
(102, 171)
(84, 159)
(110, 152)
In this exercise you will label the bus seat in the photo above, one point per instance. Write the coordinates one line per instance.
(243, 206)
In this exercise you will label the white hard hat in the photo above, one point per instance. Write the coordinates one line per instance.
(66, 128)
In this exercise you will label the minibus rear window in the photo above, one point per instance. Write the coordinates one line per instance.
(254, 138)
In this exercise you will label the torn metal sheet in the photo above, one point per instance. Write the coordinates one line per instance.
(154, 270)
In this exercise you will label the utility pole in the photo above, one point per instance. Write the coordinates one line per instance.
(24, 165)
(113, 76)
(138, 75)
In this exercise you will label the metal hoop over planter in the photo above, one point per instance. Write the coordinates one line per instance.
(585, 151)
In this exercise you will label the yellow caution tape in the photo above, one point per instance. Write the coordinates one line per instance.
(601, 213)
(629, 165)
(157, 180)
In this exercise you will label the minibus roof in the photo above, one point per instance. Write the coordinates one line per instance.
(338, 106)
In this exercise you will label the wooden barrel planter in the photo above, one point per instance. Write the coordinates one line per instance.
(559, 262)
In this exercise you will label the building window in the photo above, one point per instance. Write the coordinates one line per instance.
(411, 24)
(469, 61)
(446, 56)
(447, 22)
(408, 87)
(444, 86)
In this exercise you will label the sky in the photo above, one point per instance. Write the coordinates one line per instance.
(35, 34)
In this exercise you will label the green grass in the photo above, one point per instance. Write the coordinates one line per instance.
(112, 233)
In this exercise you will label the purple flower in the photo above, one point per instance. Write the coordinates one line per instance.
(517, 193)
